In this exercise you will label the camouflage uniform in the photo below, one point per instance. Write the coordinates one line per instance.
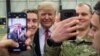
(78, 47)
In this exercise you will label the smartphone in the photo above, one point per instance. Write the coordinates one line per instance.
(16, 30)
(67, 13)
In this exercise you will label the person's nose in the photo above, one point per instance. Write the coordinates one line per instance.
(31, 23)
(47, 16)
(79, 17)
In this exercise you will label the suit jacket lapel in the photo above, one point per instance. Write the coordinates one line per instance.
(37, 43)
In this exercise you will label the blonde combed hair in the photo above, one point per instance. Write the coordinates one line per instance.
(46, 5)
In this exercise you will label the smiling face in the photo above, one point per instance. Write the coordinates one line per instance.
(84, 15)
(95, 31)
(32, 22)
(46, 13)
(47, 18)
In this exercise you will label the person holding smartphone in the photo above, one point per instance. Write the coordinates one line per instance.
(81, 45)
(32, 28)
(46, 14)
(32, 25)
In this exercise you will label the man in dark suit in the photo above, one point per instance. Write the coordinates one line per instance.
(46, 13)
(61, 30)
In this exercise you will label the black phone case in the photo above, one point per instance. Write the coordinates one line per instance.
(67, 13)
(22, 46)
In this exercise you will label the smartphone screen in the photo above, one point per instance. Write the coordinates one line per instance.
(67, 13)
(16, 30)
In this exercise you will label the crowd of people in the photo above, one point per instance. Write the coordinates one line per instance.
(48, 36)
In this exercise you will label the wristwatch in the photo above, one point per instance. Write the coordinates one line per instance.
(52, 43)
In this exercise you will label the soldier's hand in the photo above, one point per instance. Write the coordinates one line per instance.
(64, 29)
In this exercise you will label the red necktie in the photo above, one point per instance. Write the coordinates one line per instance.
(46, 34)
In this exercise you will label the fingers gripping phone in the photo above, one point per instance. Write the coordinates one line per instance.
(65, 14)
(16, 30)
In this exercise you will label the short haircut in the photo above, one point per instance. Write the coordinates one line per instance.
(46, 6)
(31, 11)
(97, 8)
(82, 4)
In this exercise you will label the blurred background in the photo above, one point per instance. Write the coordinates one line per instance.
(7, 6)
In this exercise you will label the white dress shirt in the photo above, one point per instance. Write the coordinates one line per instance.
(42, 38)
